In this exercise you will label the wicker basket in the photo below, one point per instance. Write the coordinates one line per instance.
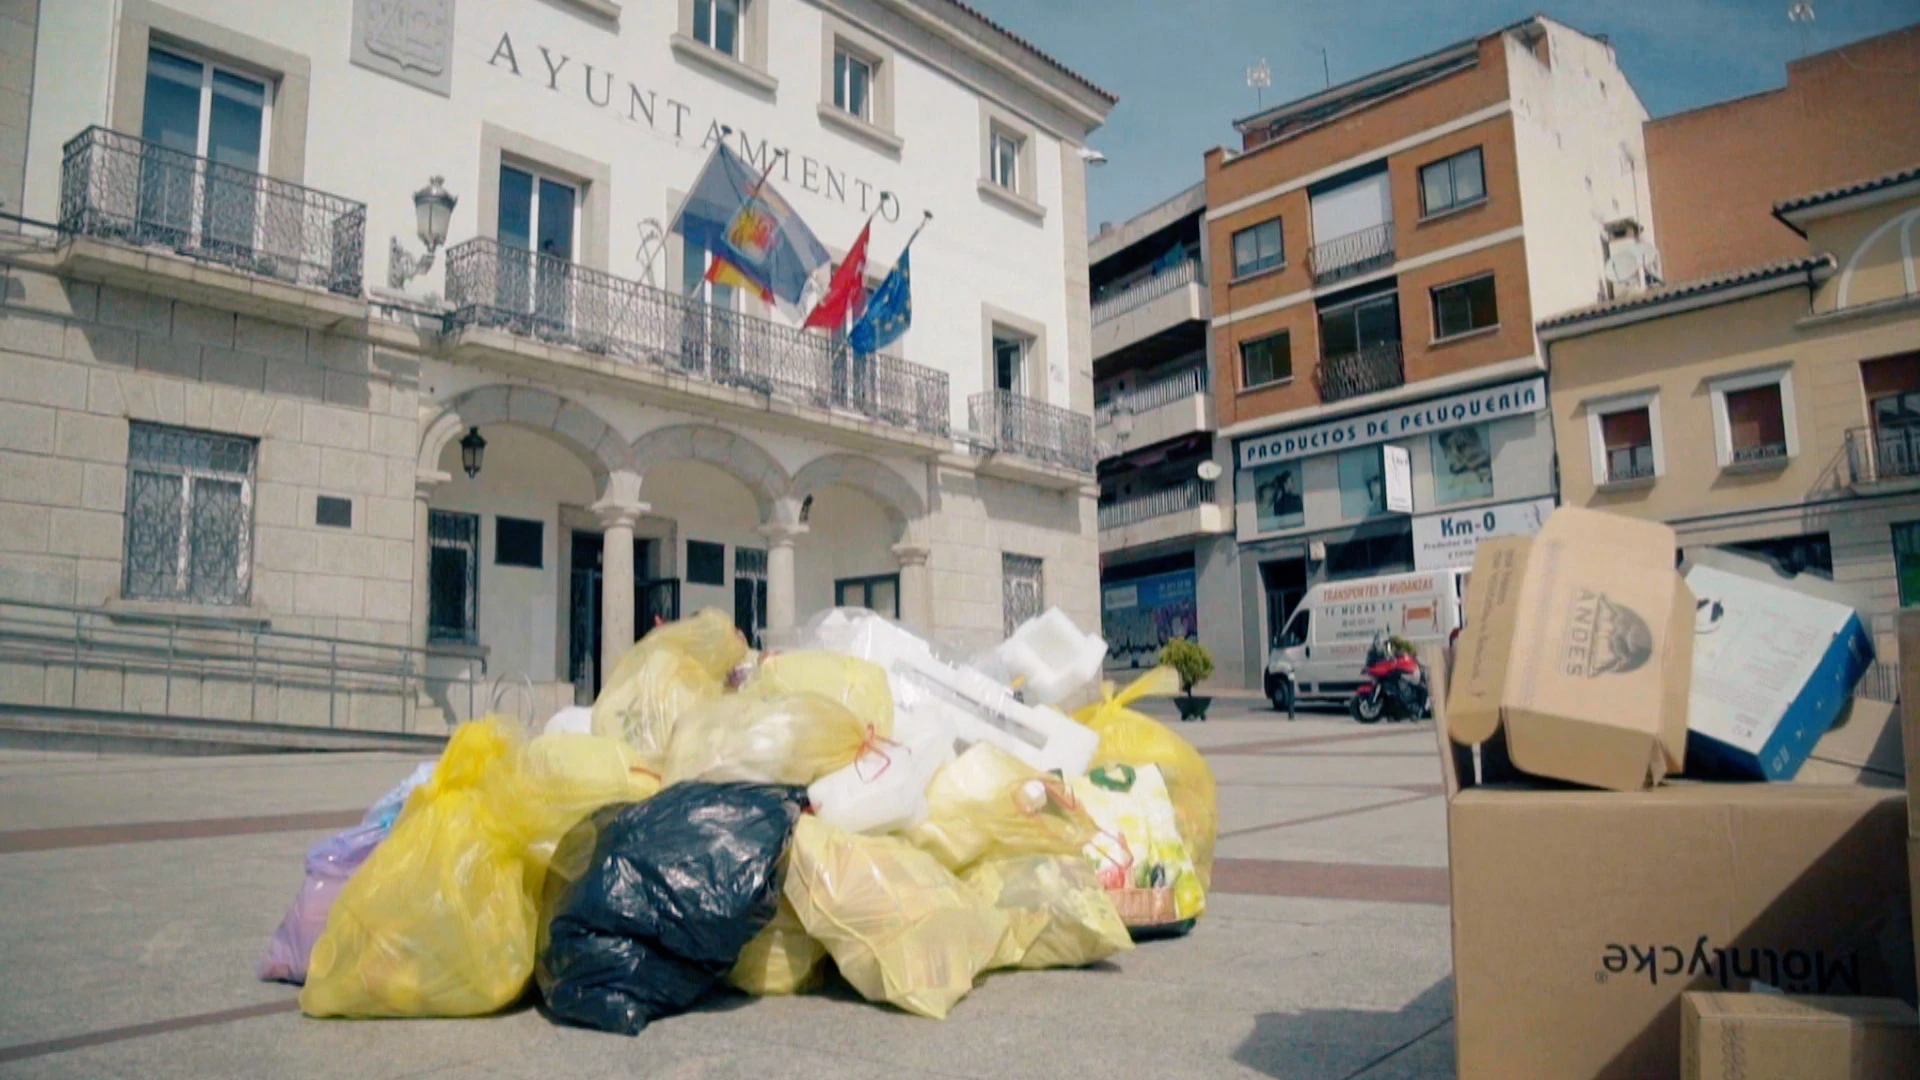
(1144, 907)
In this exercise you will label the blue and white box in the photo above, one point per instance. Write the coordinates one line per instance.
(1773, 667)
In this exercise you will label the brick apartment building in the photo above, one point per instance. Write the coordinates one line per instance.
(1718, 170)
(1379, 253)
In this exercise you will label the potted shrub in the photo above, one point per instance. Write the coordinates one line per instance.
(1192, 662)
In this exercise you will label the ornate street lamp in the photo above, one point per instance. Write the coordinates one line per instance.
(433, 210)
(472, 449)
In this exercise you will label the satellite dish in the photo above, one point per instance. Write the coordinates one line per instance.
(1209, 470)
(1623, 266)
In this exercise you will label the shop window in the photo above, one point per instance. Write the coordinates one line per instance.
(1464, 307)
(1753, 419)
(1462, 464)
(880, 593)
(189, 517)
(518, 542)
(706, 563)
(1906, 561)
(453, 577)
(1363, 483)
(1623, 435)
(1371, 556)
(1266, 360)
(1453, 183)
(1277, 499)
(1261, 247)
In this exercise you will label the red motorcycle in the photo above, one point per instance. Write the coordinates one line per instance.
(1395, 687)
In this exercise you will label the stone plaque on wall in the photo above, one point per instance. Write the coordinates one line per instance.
(411, 40)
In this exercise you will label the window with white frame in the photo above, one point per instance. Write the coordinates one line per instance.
(1753, 418)
(1258, 247)
(1003, 159)
(209, 111)
(1010, 349)
(1623, 435)
(539, 219)
(717, 25)
(1454, 182)
(189, 528)
(1266, 360)
(853, 84)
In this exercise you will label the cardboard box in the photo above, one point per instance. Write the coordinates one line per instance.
(1578, 648)
(1773, 666)
(1580, 917)
(1863, 747)
(1776, 1037)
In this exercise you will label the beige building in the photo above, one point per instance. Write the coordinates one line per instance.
(1774, 409)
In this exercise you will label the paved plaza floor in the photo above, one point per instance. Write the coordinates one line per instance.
(136, 894)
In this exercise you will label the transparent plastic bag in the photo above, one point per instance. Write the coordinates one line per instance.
(675, 667)
(900, 927)
(986, 803)
(858, 684)
(1131, 738)
(440, 919)
(1057, 913)
(328, 866)
(1143, 862)
(792, 739)
(781, 958)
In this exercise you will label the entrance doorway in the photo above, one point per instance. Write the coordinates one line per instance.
(1285, 583)
(583, 608)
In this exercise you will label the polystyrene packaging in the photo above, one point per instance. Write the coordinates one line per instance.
(572, 720)
(781, 958)
(1057, 913)
(987, 803)
(858, 684)
(1051, 657)
(440, 919)
(900, 927)
(1132, 738)
(885, 789)
(795, 738)
(675, 667)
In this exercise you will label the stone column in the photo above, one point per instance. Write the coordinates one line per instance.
(618, 509)
(780, 600)
(916, 586)
(424, 484)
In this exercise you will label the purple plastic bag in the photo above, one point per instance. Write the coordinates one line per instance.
(329, 864)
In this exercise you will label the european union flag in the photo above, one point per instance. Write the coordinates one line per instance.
(889, 312)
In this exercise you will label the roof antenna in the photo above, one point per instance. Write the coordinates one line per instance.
(1260, 77)
(1326, 72)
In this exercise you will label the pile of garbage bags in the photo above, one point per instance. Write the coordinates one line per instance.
(857, 801)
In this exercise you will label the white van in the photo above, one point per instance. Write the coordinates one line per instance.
(1321, 653)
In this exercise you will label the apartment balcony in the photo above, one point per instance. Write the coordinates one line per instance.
(1372, 369)
(1030, 440)
(1187, 509)
(1159, 312)
(1166, 408)
(146, 217)
(526, 313)
(1884, 459)
(1353, 254)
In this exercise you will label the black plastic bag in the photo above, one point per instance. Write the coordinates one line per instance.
(648, 905)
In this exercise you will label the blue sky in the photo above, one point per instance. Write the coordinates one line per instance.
(1179, 66)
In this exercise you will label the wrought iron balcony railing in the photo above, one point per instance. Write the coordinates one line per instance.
(1162, 391)
(1183, 496)
(1352, 254)
(1886, 453)
(1013, 424)
(495, 285)
(1145, 291)
(121, 188)
(1374, 368)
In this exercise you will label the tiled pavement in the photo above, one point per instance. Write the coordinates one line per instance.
(137, 892)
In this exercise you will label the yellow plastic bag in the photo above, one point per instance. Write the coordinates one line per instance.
(1131, 738)
(781, 959)
(792, 739)
(860, 685)
(986, 803)
(674, 668)
(1057, 913)
(901, 928)
(1142, 861)
(440, 919)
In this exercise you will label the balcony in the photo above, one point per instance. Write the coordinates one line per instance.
(1184, 510)
(1168, 407)
(1351, 255)
(515, 308)
(138, 214)
(1145, 313)
(1030, 440)
(1884, 456)
(1372, 369)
